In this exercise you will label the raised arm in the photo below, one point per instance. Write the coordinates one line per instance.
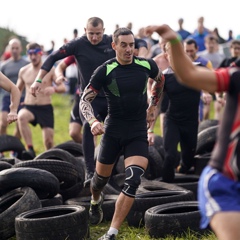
(189, 74)
(62, 66)
(45, 68)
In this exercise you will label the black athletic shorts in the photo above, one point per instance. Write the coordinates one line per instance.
(75, 116)
(6, 103)
(129, 139)
(43, 115)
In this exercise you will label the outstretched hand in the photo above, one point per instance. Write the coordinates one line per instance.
(164, 31)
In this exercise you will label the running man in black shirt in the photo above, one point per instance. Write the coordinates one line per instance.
(124, 81)
(219, 184)
(90, 51)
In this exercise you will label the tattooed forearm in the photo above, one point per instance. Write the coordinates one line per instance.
(157, 88)
(85, 103)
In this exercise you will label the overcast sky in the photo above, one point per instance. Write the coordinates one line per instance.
(46, 20)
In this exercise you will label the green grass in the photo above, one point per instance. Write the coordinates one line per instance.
(62, 107)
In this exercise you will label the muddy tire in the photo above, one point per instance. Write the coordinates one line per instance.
(53, 223)
(44, 183)
(172, 219)
(12, 204)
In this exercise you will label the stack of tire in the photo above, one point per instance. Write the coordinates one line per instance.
(32, 193)
(45, 198)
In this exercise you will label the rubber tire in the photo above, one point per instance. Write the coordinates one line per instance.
(158, 144)
(206, 140)
(12, 204)
(207, 123)
(55, 201)
(66, 172)
(45, 184)
(187, 181)
(201, 162)
(108, 205)
(9, 160)
(4, 165)
(60, 154)
(51, 223)
(72, 147)
(146, 200)
(155, 163)
(153, 185)
(11, 143)
(173, 219)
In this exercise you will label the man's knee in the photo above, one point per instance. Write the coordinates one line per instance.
(132, 180)
(73, 133)
(98, 182)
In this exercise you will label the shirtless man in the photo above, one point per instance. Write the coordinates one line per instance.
(37, 110)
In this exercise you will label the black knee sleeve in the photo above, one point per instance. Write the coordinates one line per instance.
(98, 182)
(132, 180)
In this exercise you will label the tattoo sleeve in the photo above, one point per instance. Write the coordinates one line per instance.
(85, 103)
(157, 88)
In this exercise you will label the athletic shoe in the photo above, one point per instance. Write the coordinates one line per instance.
(95, 212)
(107, 237)
(28, 155)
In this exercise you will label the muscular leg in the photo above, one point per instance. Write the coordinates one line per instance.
(48, 137)
(103, 170)
(75, 132)
(124, 202)
(24, 117)
(226, 225)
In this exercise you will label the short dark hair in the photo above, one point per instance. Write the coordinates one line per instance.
(121, 31)
(75, 31)
(95, 21)
(234, 42)
(191, 41)
(33, 45)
